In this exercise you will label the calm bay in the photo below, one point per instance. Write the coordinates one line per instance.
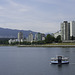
(35, 61)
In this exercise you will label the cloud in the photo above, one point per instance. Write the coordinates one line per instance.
(23, 10)
(37, 15)
(48, 1)
(13, 11)
(12, 2)
(35, 26)
(1, 8)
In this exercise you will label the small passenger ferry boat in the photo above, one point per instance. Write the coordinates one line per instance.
(60, 60)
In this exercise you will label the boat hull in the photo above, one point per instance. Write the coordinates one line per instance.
(63, 62)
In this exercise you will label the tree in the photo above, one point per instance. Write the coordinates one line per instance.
(58, 39)
(49, 38)
(72, 38)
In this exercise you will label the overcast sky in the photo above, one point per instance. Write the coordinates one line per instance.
(36, 15)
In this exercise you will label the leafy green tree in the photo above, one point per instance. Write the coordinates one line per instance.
(49, 39)
(58, 39)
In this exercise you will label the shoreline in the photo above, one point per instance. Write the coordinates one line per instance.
(46, 45)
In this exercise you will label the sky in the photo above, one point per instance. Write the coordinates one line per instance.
(37, 15)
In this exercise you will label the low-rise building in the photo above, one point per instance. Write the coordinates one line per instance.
(12, 41)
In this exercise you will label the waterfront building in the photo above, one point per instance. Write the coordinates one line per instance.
(38, 37)
(20, 36)
(30, 38)
(65, 31)
(12, 41)
(72, 28)
(35, 38)
(43, 37)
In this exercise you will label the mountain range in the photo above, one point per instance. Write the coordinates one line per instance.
(11, 33)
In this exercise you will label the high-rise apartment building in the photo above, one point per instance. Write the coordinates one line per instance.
(38, 37)
(43, 36)
(30, 37)
(72, 28)
(65, 31)
(20, 36)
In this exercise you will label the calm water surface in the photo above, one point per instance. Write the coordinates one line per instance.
(35, 61)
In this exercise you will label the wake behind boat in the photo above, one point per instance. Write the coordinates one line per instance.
(60, 60)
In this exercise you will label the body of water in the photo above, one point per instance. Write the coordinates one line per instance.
(35, 61)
